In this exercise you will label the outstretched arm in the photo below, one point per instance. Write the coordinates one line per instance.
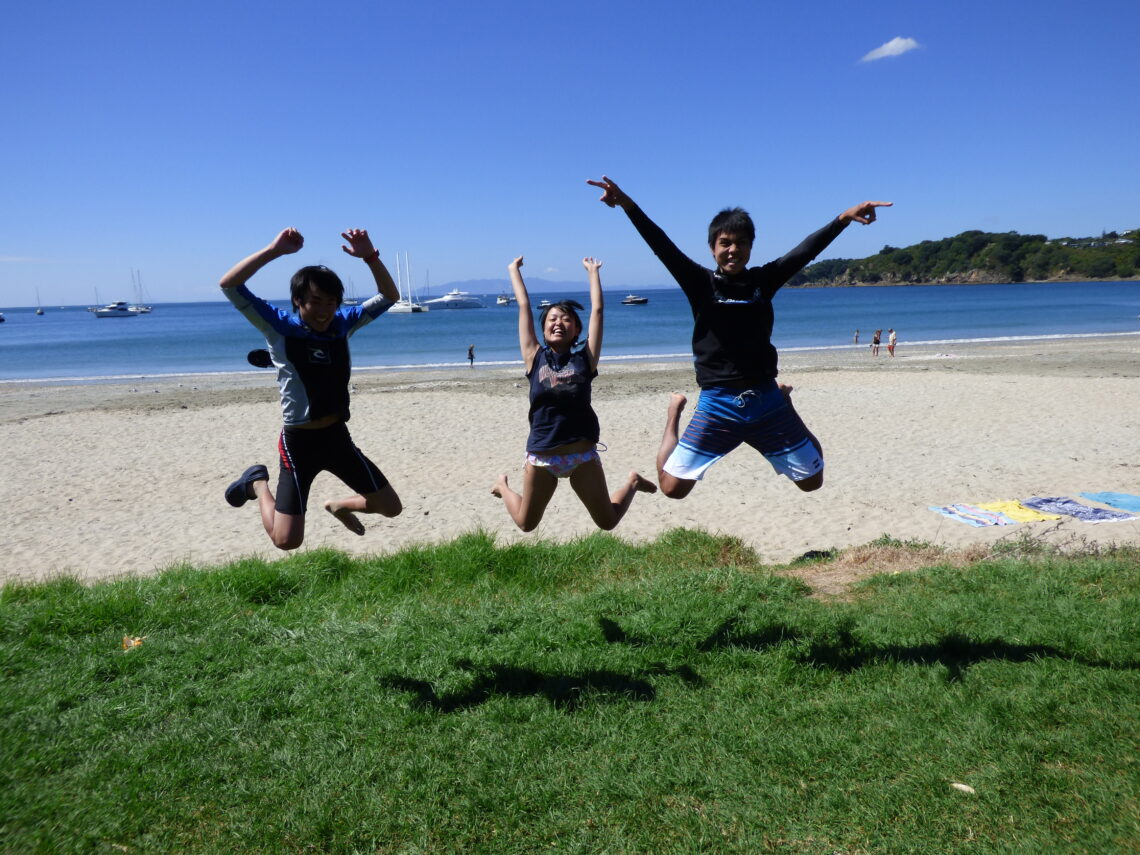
(528, 341)
(287, 242)
(360, 246)
(686, 271)
(594, 339)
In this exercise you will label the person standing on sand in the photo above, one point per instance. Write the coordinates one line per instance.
(310, 349)
(856, 336)
(736, 363)
(564, 428)
(471, 355)
(875, 342)
(892, 340)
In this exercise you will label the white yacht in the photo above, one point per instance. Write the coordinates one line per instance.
(504, 300)
(455, 299)
(634, 300)
(118, 309)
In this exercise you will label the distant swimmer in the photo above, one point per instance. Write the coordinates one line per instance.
(310, 346)
(740, 400)
(564, 430)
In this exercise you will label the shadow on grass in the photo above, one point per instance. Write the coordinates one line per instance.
(956, 653)
(565, 691)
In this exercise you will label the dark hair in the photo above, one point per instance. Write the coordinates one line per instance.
(321, 278)
(569, 307)
(732, 221)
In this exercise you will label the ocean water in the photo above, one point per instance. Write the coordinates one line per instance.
(177, 338)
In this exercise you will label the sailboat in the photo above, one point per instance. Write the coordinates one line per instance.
(407, 303)
(39, 308)
(137, 307)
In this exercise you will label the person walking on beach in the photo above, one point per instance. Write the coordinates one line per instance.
(471, 355)
(736, 363)
(892, 340)
(856, 336)
(875, 342)
(564, 428)
(310, 349)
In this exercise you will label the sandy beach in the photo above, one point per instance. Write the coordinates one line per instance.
(108, 479)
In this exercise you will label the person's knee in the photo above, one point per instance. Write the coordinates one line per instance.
(288, 541)
(673, 488)
(386, 503)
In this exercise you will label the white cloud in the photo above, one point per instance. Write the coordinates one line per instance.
(550, 270)
(895, 47)
(18, 259)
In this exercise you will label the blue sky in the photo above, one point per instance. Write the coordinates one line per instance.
(176, 138)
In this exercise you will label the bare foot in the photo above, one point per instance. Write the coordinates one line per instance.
(642, 485)
(500, 485)
(347, 518)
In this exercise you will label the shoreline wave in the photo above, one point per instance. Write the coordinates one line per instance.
(620, 357)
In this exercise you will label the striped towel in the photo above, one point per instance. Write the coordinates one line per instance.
(1069, 507)
(1124, 501)
(972, 515)
(1017, 511)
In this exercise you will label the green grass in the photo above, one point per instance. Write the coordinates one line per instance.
(589, 697)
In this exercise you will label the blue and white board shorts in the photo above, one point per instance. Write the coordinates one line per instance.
(760, 417)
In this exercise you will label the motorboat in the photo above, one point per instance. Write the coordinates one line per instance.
(504, 300)
(543, 304)
(118, 309)
(455, 299)
(634, 300)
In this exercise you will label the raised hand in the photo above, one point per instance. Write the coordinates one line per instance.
(360, 244)
(592, 265)
(864, 213)
(516, 264)
(287, 242)
(612, 195)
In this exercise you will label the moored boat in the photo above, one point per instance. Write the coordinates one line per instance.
(456, 299)
(634, 300)
(117, 309)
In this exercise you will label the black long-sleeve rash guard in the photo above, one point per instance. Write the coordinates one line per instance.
(732, 315)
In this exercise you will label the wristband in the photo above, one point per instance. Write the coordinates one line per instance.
(375, 255)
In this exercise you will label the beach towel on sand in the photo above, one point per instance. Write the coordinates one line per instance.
(1017, 511)
(1124, 501)
(971, 515)
(1069, 507)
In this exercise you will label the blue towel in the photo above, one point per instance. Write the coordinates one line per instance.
(1065, 505)
(1124, 501)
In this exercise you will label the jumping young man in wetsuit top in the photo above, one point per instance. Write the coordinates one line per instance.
(309, 347)
(735, 360)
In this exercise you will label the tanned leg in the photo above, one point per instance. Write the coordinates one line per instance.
(674, 488)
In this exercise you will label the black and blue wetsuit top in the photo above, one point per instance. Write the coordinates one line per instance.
(560, 411)
(732, 315)
(312, 368)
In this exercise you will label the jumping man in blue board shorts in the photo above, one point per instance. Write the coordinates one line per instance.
(740, 401)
